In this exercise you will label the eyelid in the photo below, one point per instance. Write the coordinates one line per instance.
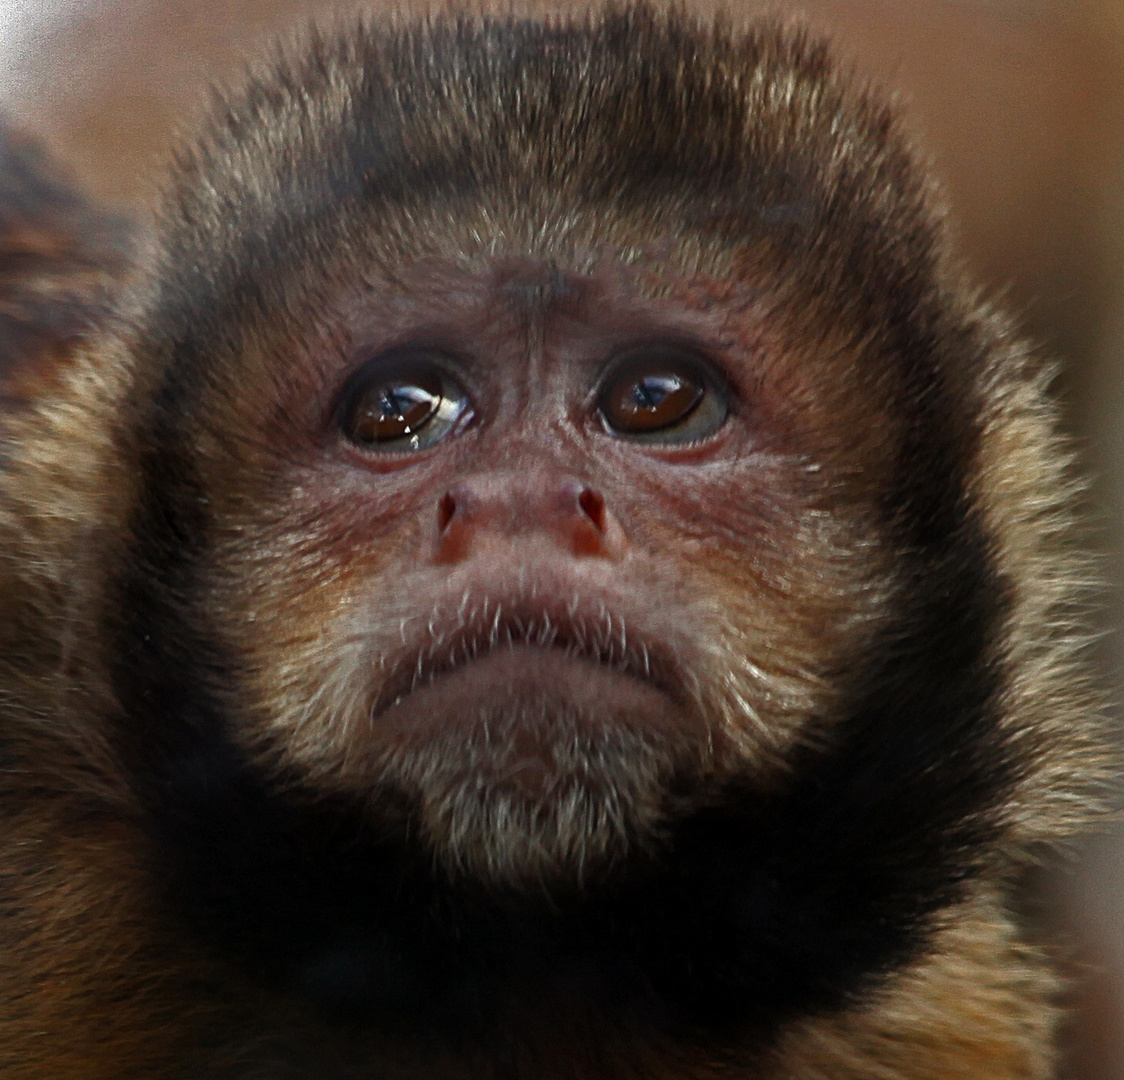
(706, 358)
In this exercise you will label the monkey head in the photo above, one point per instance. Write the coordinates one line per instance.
(565, 532)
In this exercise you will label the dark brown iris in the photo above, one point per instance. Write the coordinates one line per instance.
(395, 408)
(651, 397)
(402, 401)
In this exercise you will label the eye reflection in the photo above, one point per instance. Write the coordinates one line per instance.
(650, 402)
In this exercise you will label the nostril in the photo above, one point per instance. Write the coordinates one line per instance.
(593, 505)
(493, 510)
(446, 508)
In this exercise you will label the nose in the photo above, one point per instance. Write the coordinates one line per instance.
(498, 508)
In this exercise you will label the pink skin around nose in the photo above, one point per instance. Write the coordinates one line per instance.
(568, 513)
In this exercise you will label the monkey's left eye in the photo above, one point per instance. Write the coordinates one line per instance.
(662, 394)
(401, 402)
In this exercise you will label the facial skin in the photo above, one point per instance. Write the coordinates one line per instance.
(533, 626)
(554, 601)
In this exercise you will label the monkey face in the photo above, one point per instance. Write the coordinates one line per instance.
(522, 580)
(496, 600)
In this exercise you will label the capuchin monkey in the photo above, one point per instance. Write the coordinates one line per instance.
(541, 568)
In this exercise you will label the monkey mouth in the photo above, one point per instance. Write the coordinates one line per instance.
(520, 640)
(537, 714)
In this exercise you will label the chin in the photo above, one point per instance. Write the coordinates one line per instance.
(534, 791)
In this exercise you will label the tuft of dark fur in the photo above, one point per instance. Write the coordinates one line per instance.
(61, 258)
(172, 908)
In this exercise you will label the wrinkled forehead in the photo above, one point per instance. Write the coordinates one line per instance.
(544, 233)
(291, 278)
(542, 254)
(540, 302)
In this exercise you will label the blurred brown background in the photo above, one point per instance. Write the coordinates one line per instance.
(1020, 105)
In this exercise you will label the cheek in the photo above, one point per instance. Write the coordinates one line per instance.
(789, 593)
(294, 623)
(791, 618)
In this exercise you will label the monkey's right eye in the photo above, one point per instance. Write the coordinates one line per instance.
(401, 402)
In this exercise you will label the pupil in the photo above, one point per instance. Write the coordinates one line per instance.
(407, 405)
(651, 391)
(404, 409)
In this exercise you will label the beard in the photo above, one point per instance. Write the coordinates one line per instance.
(533, 793)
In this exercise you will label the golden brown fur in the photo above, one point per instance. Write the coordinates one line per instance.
(788, 849)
